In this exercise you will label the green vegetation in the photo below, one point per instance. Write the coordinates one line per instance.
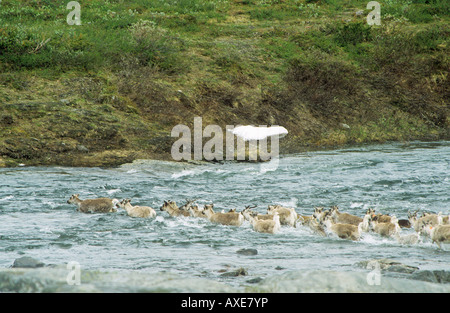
(110, 90)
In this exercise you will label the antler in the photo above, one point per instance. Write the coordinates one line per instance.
(188, 204)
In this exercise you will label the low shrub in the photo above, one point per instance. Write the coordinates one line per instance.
(353, 33)
(157, 47)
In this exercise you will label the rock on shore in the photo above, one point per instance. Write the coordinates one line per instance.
(348, 282)
(58, 279)
(55, 279)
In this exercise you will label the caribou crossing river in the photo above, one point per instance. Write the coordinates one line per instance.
(393, 178)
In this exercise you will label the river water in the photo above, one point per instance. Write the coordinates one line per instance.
(36, 221)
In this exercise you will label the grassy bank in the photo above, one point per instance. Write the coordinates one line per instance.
(111, 89)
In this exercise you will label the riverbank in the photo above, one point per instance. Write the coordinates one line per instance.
(62, 278)
(110, 91)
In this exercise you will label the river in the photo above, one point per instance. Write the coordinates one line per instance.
(393, 178)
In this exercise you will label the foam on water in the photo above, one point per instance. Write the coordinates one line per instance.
(113, 191)
(183, 173)
(6, 198)
(291, 203)
(357, 205)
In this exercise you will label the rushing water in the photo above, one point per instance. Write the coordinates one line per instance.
(35, 219)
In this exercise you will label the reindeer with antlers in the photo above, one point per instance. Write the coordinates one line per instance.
(231, 218)
(418, 222)
(288, 216)
(437, 233)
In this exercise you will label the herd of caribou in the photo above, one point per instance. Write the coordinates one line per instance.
(322, 222)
